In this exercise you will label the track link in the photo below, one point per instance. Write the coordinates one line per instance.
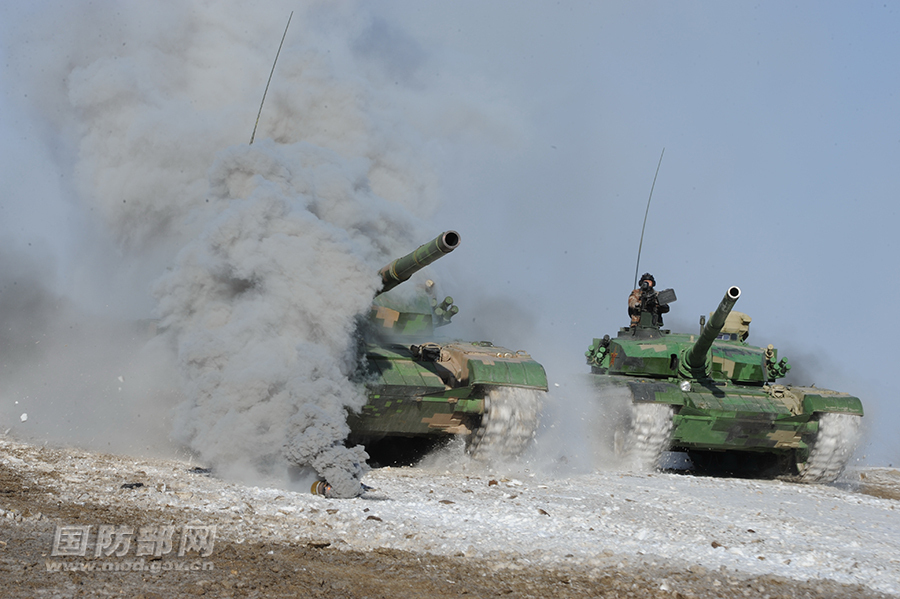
(641, 440)
(834, 445)
(508, 425)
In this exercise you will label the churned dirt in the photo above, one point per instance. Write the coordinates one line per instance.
(33, 509)
(880, 482)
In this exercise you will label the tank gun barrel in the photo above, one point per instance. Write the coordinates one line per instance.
(403, 268)
(695, 357)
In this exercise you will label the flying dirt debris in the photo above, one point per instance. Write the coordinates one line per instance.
(715, 397)
(421, 388)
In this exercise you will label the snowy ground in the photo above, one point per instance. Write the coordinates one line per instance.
(756, 527)
(590, 522)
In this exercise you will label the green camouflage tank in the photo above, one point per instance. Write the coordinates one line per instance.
(714, 396)
(421, 387)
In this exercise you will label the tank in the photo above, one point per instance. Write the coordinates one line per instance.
(715, 397)
(424, 389)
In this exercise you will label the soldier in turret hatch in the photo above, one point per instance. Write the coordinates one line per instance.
(644, 299)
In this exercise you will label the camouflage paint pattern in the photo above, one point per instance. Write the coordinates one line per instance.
(418, 385)
(727, 399)
(412, 396)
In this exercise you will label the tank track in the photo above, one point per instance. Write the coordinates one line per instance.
(508, 425)
(642, 440)
(834, 445)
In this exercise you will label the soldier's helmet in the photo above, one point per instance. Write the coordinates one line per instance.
(647, 277)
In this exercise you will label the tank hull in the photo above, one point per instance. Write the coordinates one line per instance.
(447, 390)
(776, 418)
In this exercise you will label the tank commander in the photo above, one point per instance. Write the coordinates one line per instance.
(644, 299)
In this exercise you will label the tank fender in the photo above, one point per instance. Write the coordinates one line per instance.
(520, 371)
(825, 400)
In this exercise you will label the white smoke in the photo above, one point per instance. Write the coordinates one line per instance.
(272, 249)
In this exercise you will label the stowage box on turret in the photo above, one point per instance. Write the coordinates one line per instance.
(714, 396)
(427, 389)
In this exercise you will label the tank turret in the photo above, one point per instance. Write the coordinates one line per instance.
(415, 316)
(695, 361)
(403, 268)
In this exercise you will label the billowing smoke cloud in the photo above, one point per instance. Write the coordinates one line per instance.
(271, 249)
(264, 305)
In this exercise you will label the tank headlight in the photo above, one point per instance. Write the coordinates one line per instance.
(685, 386)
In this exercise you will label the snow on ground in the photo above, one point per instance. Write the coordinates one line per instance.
(589, 521)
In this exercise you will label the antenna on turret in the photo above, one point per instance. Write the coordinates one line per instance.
(637, 266)
(253, 136)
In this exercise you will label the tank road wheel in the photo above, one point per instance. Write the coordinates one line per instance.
(640, 439)
(508, 425)
(830, 450)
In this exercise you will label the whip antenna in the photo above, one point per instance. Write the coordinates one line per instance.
(253, 136)
(641, 244)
